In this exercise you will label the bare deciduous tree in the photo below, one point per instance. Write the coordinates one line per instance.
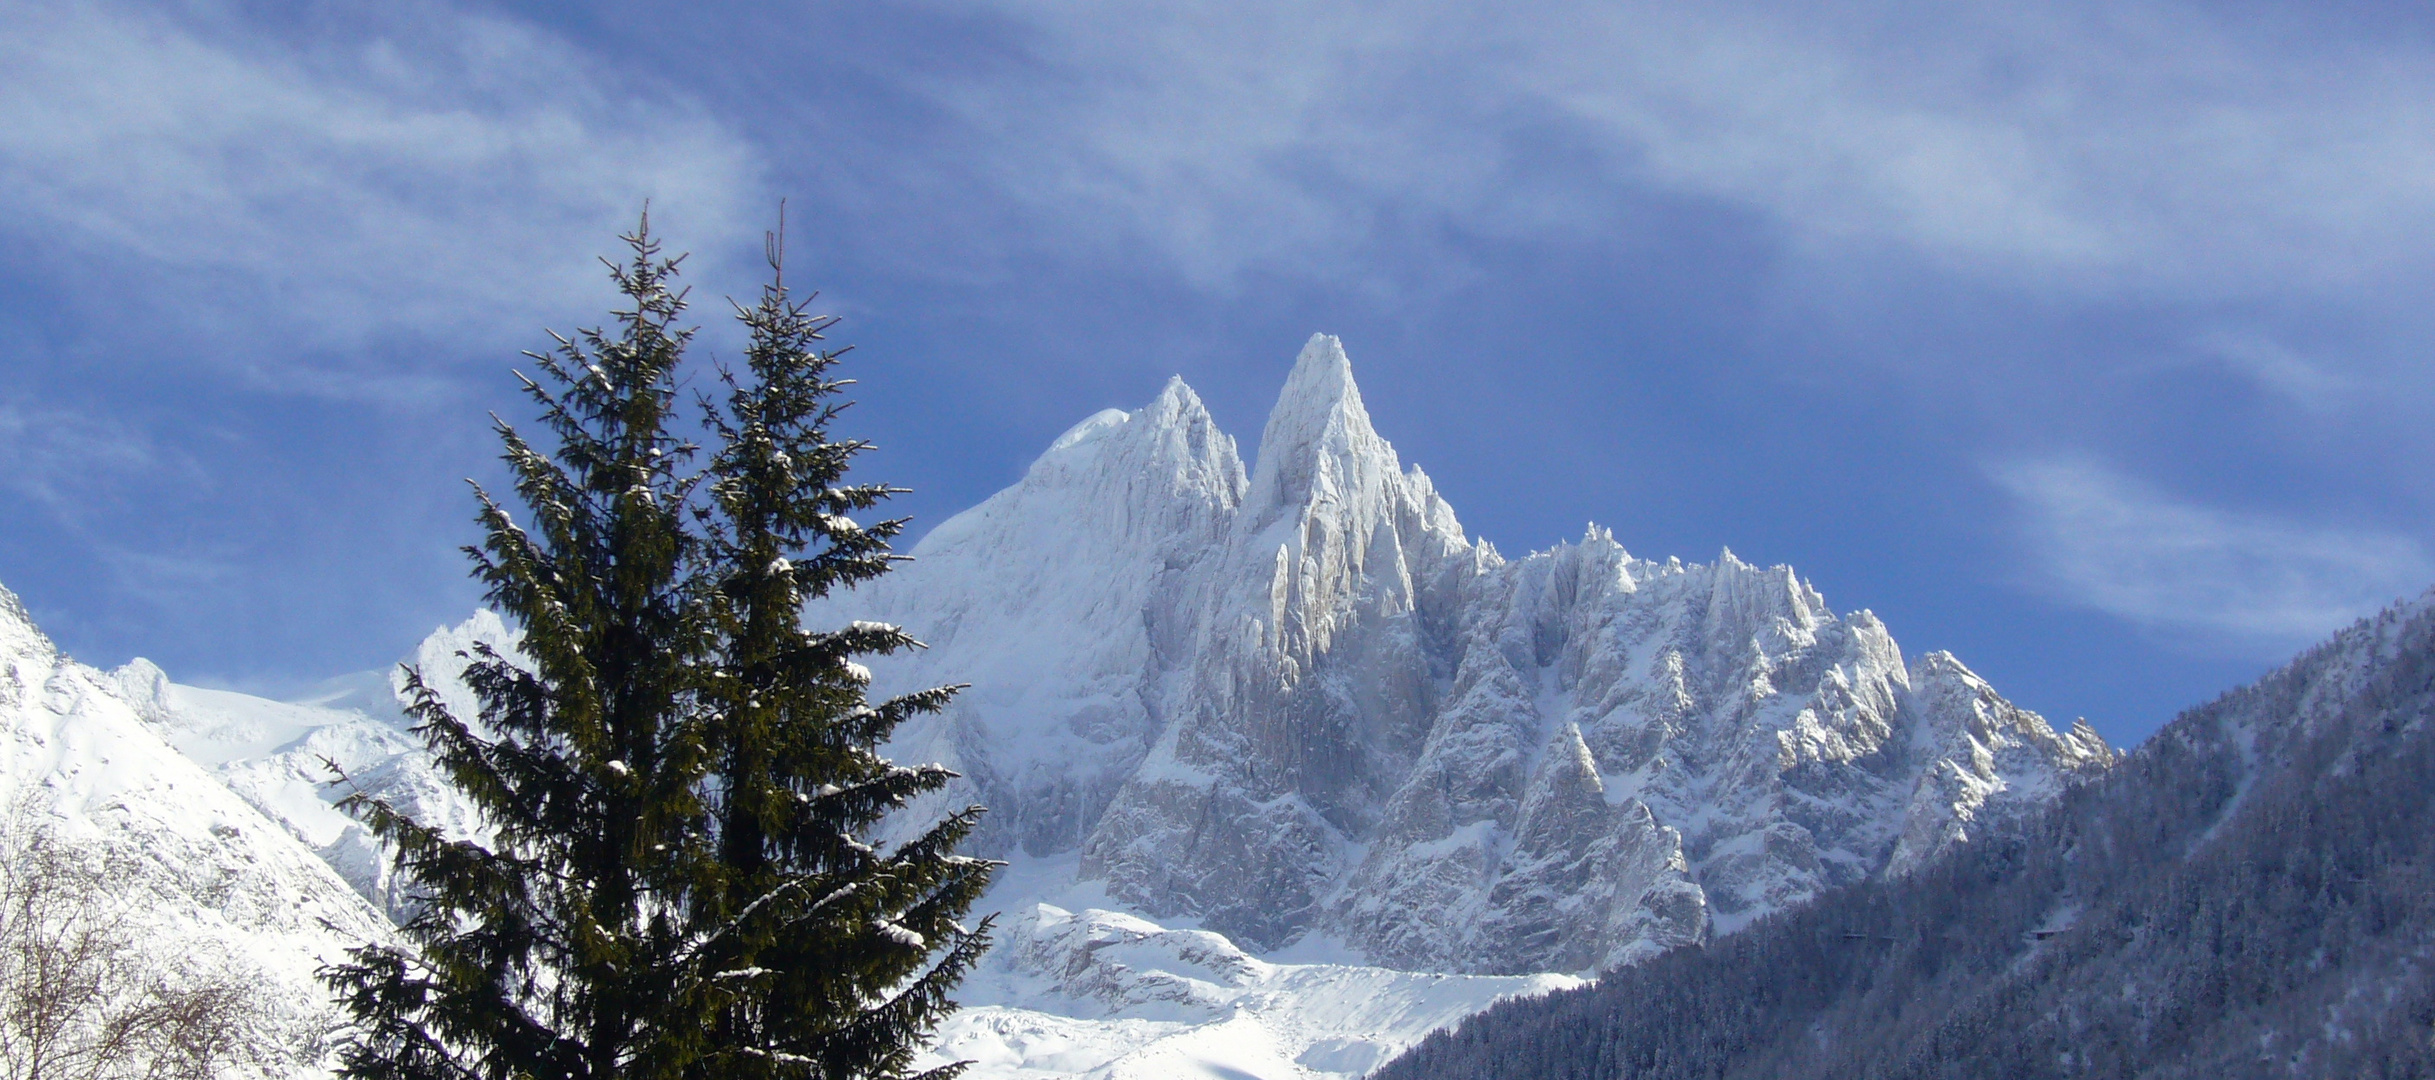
(80, 999)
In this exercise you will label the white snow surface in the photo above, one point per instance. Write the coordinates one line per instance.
(278, 755)
(1298, 699)
(216, 884)
(1109, 995)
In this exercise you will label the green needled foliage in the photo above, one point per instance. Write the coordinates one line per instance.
(672, 771)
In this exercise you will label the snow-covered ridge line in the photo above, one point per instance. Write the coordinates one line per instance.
(1298, 698)
(276, 755)
(1217, 712)
(211, 882)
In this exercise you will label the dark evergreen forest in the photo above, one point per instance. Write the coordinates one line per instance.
(2250, 894)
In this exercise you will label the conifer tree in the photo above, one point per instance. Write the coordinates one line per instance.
(674, 774)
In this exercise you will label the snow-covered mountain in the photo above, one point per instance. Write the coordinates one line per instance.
(2249, 894)
(277, 755)
(1300, 698)
(209, 883)
(1292, 770)
(216, 808)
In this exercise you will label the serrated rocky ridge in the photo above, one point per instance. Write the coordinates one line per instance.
(1300, 698)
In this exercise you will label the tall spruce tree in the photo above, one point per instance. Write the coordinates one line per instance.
(673, 772)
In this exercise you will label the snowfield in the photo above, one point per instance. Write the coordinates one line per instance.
(1108, 995)
(223, 798)
(215, 887)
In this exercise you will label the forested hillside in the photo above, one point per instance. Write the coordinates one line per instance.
(2251, 893)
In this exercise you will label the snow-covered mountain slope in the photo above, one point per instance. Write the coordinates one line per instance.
(2249, 894)
(1055, 722)
(225, 798)
(277, 755)
(1103, 994)
(211, 882)
(228, 798)
(1298, 697)
(1215, 711)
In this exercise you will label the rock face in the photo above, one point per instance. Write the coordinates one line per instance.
(2246, 896)
(1303, 699)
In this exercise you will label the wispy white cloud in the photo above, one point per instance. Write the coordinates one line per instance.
(2279, 370)
(2221, 581)
(62, 459)
(2095, 148)
(440, 172)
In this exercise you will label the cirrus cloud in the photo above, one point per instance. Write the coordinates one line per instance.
(421, 175)
(2216, 579)
(2082, 148)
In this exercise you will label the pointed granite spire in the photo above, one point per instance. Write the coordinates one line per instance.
(1318, 439)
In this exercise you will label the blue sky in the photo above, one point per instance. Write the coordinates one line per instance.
(2085, 341)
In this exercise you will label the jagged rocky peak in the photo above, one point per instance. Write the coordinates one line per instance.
(1124, 480)
(1333, 532)
(1065, 601)
(1306, 700)
(1318, 441)
(2002, 762)
(1171, 441)
(1312, 679)
(441, 658)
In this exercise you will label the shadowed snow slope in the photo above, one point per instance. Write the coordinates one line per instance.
(1301, 698)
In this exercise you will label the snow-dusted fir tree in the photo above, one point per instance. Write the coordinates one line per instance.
(673, 770)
